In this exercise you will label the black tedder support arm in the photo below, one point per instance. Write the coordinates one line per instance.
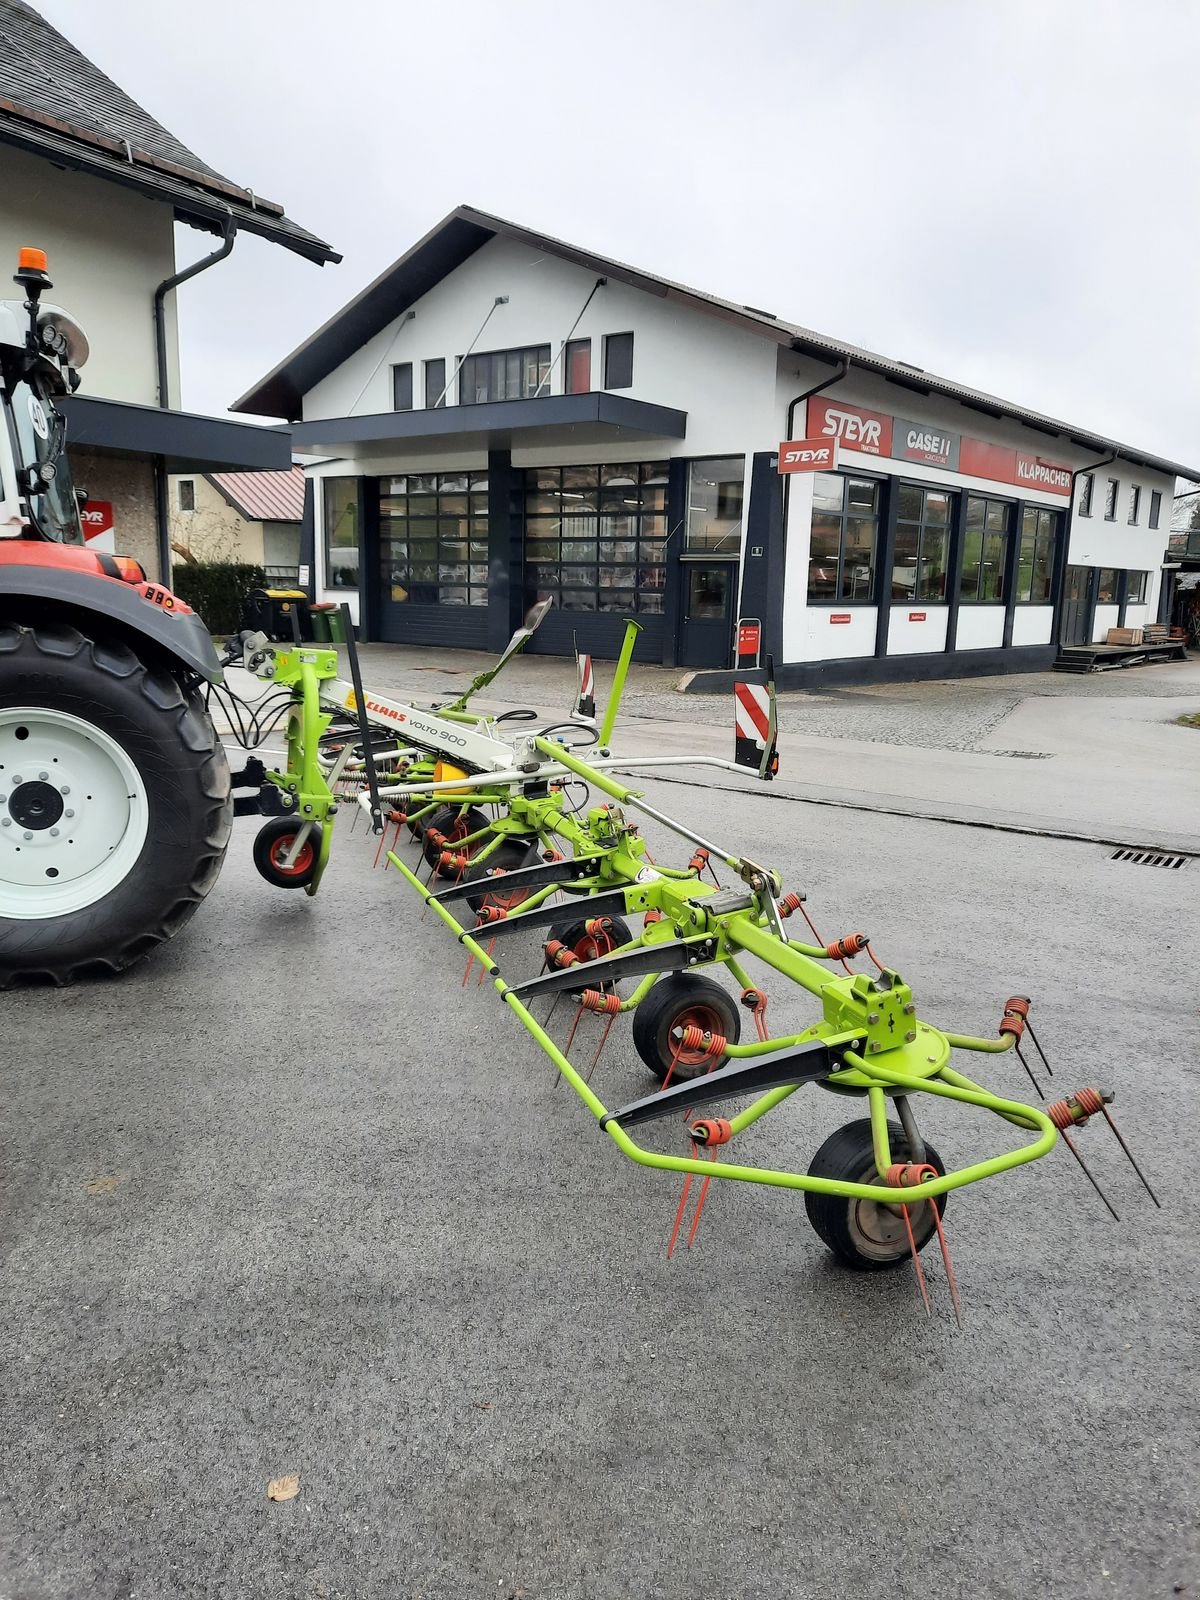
(670, 956)
(800, 1063)
(534, 877)
(610, 904)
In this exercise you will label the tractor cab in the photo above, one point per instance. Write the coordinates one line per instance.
(41, 350)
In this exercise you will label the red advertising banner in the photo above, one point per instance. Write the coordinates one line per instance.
(808, 455)
(97, 518)
(1002, 464)
(869, 432)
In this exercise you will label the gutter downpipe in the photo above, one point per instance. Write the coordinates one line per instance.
(162, 510)
(1060, 587)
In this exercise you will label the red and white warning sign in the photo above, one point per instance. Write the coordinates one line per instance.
(98, 523)
(752, 712)
(585, 706)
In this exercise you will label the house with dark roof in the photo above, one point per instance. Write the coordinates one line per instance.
(506, 417)
(252, 517)
(97, 182)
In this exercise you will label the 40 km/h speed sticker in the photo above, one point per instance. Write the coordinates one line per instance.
(38, 417)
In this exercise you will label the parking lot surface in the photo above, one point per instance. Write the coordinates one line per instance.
(290, 1199)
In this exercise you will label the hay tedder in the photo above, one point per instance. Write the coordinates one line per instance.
(525, 827)
(115, 811)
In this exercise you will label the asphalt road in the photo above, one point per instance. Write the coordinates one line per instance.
(288, 1199)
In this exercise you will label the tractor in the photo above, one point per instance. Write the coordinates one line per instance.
(115, 795)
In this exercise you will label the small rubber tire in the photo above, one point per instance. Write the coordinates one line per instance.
(507, 856)
(680, 999)
(272, 842)
(449, 822)
(162, 725)
(587, 946)
(864, 1234)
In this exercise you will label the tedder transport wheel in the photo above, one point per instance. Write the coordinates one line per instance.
(453, 826)
(587, 946)
(115, 805)
(272, 843)
(512, 853)
(684, 999)
(864, 1233)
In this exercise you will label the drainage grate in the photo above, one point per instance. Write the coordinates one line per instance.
(1148, 858)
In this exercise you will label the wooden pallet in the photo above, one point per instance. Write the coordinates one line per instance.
(1105, 657)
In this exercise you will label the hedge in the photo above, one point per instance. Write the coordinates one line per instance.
(217, 590)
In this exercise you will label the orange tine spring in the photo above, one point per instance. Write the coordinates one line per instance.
(816, 935)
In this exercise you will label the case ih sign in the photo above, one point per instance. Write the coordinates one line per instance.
(807, 455)
(874, 433)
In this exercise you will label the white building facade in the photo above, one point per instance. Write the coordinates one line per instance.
(505, 417)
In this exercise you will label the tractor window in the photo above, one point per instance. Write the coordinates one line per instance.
(41, 437)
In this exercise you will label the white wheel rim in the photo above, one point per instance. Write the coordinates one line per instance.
(73, 813)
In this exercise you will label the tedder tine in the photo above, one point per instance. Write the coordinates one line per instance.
(670, 956)
(531, 877)
(609, 904)
(800, 1063)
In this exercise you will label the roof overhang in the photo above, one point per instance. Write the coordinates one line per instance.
(577, 419)
(193, 205)
(187, 443)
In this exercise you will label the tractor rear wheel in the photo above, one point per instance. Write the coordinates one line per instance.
(115, 807)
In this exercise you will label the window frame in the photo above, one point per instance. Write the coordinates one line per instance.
(434, 388)
(571, 346)
(567, 509)
(846, 515)
(1155, 507)
(328, 568)
(468, 385)
(402, 377)
(722, 552)
(1031, 507)
(1135, 504)
(988, 500)
(1088, 480)
(1112, 494)
(1114, 587)
(1132, 599)
(609, 381)
(426, 520)
(923, 526)
(190, 485)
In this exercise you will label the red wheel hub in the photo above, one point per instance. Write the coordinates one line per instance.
(279, 850)
(693, 1016)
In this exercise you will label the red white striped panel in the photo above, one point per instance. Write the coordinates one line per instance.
(752, 711)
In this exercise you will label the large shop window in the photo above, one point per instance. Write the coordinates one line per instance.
(504, 375)
(433, 539)
(714, 519)
(1035, 559)
(845, 530)
(594, 536)
(339, 501)
(985, 549)
(922, 544)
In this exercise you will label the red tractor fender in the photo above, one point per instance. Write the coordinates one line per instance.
(40, 581)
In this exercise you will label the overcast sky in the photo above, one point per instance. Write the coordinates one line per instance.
(1004, 192)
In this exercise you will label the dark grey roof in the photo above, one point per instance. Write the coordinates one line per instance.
(56, 103)
(465, 230)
